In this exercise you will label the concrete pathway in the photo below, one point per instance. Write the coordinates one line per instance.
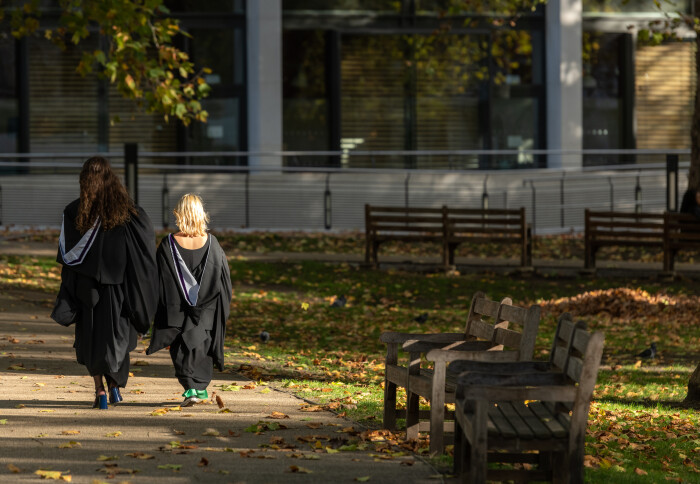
(47, 423)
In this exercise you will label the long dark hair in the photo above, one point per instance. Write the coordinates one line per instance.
(102, 195)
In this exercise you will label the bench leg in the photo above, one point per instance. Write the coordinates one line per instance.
(479, 446)
(412, 414)
(560, 468)
(389, 405)
(375, 251)
(461, 452)
(437, 409)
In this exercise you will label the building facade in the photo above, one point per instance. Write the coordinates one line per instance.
(378, 75)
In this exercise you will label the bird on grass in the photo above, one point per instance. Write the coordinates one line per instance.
(339, 302)
(264, 336)
(421, 318)
(649, 352)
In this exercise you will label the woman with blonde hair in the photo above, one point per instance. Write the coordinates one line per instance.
(194, 300)
(109, 277)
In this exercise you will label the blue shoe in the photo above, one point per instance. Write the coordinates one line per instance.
(114, 395)
(100, 402)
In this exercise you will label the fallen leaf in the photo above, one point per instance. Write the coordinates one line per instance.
(640, 472)
(140, 363)
(140, 455)
(70, 432)
(107, 457)
(211, 432)
(13, 468)
(203, 462)
(362, 479)
(220, 402)
(278, 415)
(69, 445)
(113, 434)
(299, 470)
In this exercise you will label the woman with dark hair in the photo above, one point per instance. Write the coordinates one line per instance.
(109, 282)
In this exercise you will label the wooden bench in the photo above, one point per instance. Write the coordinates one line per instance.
(614, 229)
(449, 227)
(504, 417)
(681, 231)
(414, 224)
(669, 231)
(486, 337)
(492, 225)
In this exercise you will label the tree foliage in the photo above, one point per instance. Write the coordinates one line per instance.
(137, 53)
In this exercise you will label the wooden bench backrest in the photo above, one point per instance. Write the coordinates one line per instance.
(500, 223)
(562, 346)
(402, 219)
(489, 320)
(629, 225)
(682, 228)
(583, 370)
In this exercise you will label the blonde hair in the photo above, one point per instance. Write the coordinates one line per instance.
(190, 216)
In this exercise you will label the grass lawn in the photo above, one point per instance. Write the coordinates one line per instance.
(638, 431)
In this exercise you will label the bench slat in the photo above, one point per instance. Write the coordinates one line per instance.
(521, 428)
(486, 307)
(546, 417)
(605, 214)
(405, 218)
(490, 211)
(480, 229)
(532, 421)
(499, 424)
(483, 220)
(374, 209)
(507, 337)
(574, 368)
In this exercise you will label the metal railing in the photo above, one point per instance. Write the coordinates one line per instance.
(266, 197)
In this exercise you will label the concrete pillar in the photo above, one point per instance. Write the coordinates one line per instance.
(564, 74)
(264, 33)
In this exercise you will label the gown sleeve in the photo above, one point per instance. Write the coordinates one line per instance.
(219, 332)
(141, 277)
(65, 310)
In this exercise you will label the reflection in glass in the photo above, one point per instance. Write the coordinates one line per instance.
(634, 6)
(602, 102)
(8, 100)
(305, 106)
(63, 104)
(197, 6)
(221, 132)
(215, 48)
(387, 6)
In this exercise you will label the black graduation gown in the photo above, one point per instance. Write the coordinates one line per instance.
(111, 295)
(195, 334)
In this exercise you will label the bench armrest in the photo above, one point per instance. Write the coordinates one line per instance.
(416, 346)
(493, 355)
(509, 367)
(394, 337)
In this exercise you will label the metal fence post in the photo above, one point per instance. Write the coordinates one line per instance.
(672, 183)
(408, 178)
(638, 196)
(131, 171)
(165, 202)
(327, 205)
(485, 196)
(561, 199)
(247, 200)
(612, 194)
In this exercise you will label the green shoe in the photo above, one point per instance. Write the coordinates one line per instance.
(202, 394)
(190, 398)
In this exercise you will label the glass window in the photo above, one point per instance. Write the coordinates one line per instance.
(461, 7)
(222, 51)
(388, 6)
(197, 6)
(305, 104)
(8, 97)
(634, 6)
(63, 104)
(603, 104)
